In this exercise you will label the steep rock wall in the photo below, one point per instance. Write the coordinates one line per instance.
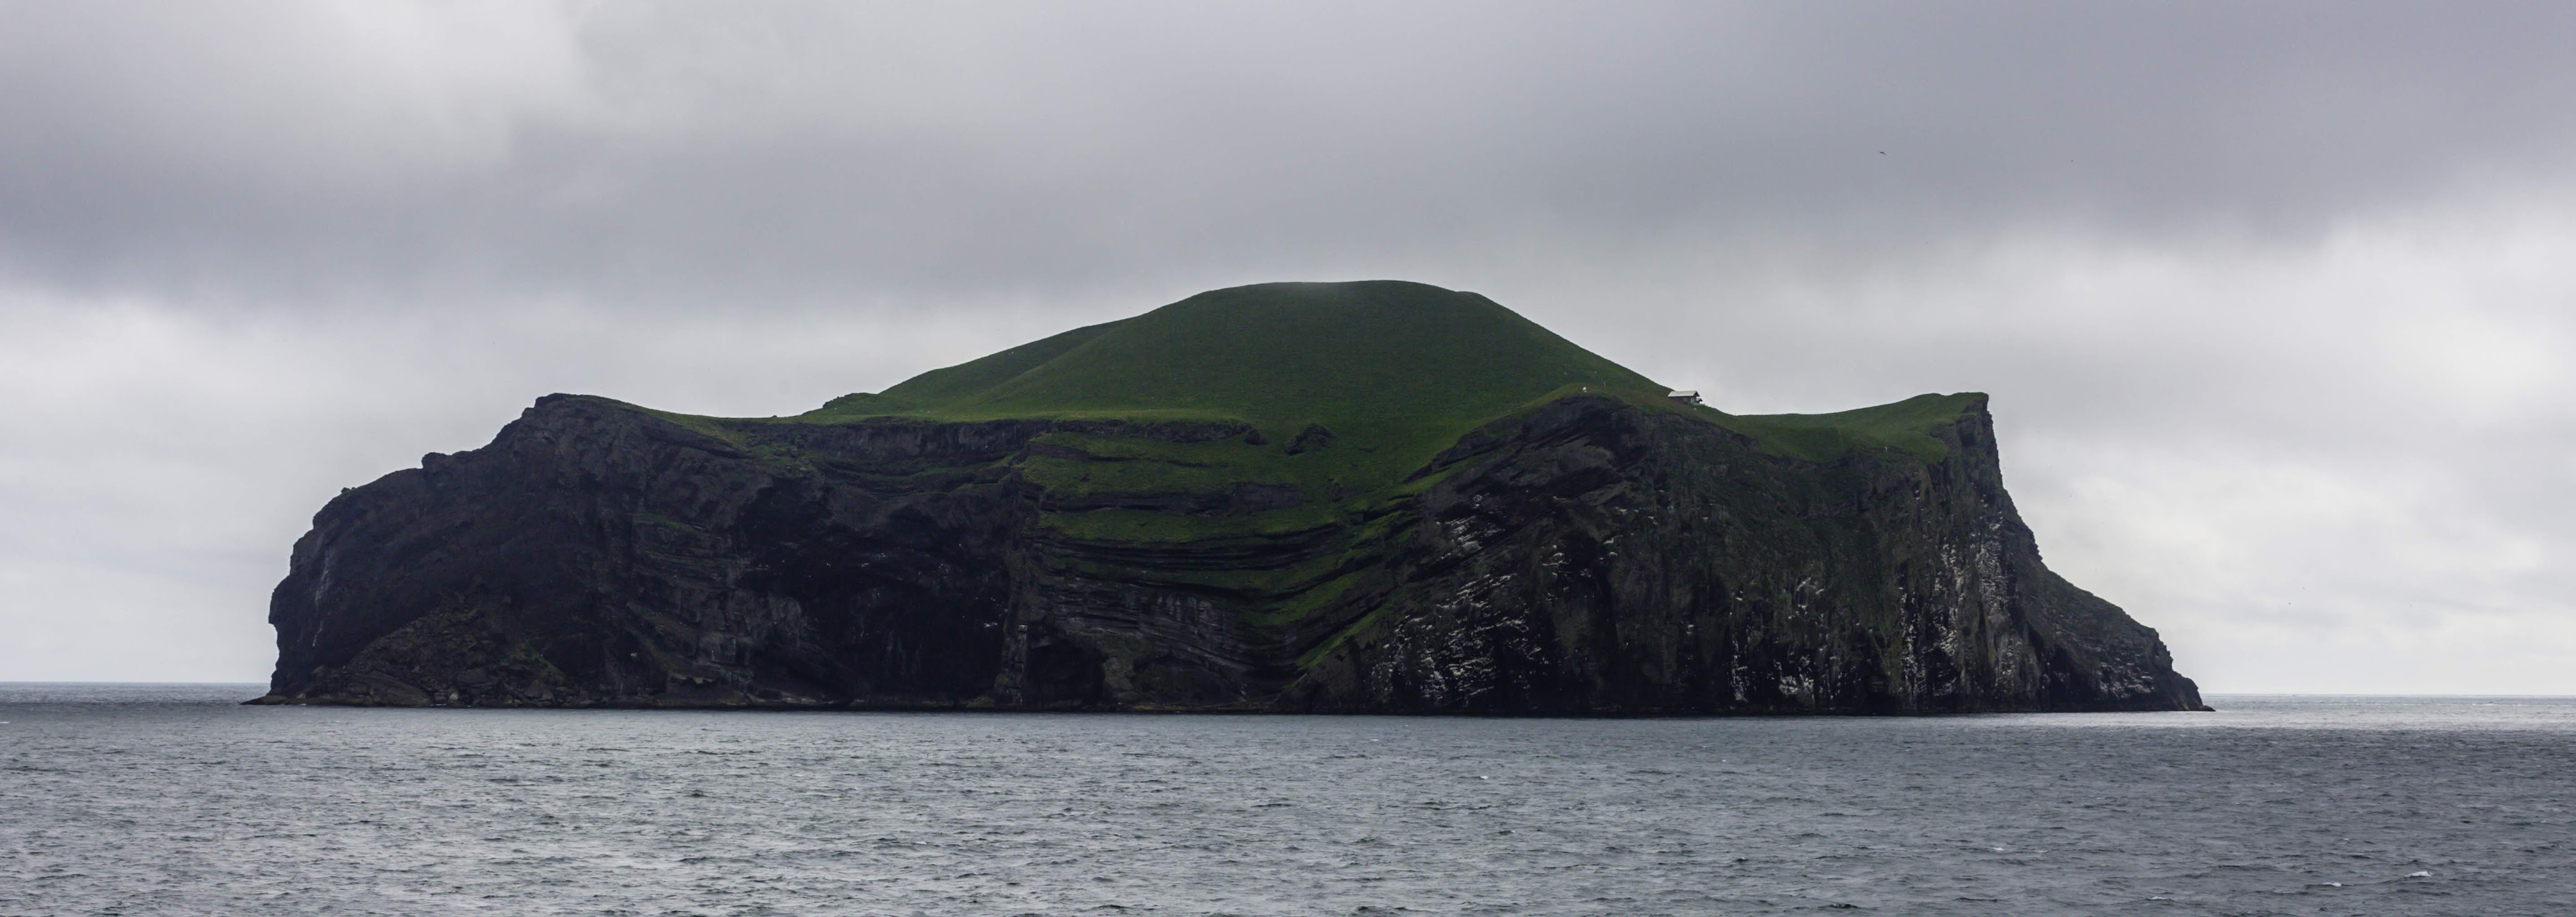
(1589, 557)
(1592, 558)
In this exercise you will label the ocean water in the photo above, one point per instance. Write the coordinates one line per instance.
(173, 800)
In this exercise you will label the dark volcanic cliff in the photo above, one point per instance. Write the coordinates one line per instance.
(1589, 552)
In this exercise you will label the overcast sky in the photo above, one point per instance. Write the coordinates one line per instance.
(2273, 299)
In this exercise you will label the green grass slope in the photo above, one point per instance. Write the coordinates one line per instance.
(1905, 426)
(1395, 371)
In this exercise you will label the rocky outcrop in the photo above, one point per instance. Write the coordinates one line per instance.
(1589, 557)
(1593, 558)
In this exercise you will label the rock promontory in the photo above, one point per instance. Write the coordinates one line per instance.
(1371, 497)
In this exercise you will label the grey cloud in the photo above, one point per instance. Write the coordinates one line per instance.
(800, 153)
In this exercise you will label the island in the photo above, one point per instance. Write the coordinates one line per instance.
(1370, 497)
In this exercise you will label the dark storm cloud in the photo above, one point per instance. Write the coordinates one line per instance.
(686, 154)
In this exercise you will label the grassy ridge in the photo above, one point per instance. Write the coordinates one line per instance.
(1905, 426)
(1395, 371)
(942, 387)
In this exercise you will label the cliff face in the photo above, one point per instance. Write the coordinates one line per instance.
(1589, 555)
(1595, 558)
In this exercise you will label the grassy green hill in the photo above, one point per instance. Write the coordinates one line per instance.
(1394, 371)
(1904, 426)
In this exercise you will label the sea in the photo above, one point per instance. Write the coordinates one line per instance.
(174, 799)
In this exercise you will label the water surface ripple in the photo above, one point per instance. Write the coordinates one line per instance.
(171, 800)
